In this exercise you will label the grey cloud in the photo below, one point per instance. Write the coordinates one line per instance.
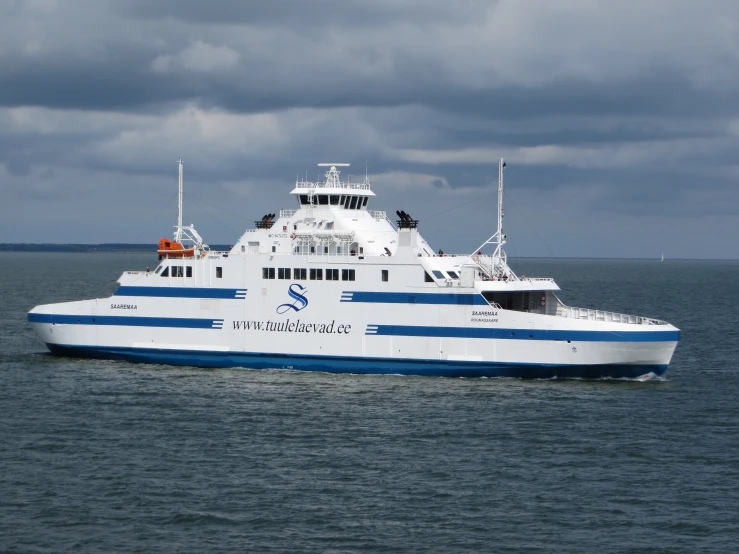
(325, 67)
(604, 123)
(353, 13)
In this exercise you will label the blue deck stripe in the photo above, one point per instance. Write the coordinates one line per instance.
(371, 297)
(126, 321)
(523, 334)
(180, 292)
(362, 365)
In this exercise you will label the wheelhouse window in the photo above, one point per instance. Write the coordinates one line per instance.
(188, 271)
(347, 275)
(347, 200)
(353, 203)
(219, 273)
(453, 274)
(427, 278)
(334, 199)
(332, 275)
(322, 199)
(165, 273)
(316, 274)
(157, 270)
(177, 271)
(268, 273)
(304, 199)
(283, 273)
(438, 274)
(366, 198)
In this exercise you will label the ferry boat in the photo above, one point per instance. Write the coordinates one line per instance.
(333, 286)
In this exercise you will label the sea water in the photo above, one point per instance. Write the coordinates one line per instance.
(100, 456)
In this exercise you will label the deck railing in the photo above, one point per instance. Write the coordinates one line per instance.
(601, 315)
(217, 254)
(322, 184)
(381, 215)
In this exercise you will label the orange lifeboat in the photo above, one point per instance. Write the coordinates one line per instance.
(173, 249)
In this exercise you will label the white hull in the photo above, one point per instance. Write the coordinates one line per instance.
(334, 287)
(422, 330)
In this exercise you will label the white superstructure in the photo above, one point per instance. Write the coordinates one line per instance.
(334, 286)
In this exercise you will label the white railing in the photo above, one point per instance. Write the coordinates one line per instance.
(217, 254)
(287, 213)
(381, 215)
(322, 184)
(601, 315)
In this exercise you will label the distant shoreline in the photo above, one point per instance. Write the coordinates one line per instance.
(144, 248)
(105, 247)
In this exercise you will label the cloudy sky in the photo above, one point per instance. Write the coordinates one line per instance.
(619, 120)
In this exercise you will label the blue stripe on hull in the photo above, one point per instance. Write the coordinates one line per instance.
(523, 334)
(127, 321)
(372, 297)
(181, 292)
(339, 364)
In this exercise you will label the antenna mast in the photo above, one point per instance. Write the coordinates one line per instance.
(178, 230)
(498, 263)
(499, 232)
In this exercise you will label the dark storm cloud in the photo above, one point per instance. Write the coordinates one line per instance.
(124, 81)
(285, 73)
(601, 108)
(301, 14)
(101, 85)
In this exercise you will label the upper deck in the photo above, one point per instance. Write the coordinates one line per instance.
(333, 222)
(333, 184)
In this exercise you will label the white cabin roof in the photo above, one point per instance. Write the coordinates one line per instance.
(334, 185)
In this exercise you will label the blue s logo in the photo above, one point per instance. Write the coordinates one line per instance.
(300, 300)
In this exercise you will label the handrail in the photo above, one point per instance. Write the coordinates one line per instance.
(602, 315)
(323, 184)
(217, 254)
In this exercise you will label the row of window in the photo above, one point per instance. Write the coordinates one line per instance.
(176, 271)
(305, 249)
(348, 201)
(180, 271)
(299, 274)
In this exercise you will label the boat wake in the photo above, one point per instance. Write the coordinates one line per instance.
(651, 376)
